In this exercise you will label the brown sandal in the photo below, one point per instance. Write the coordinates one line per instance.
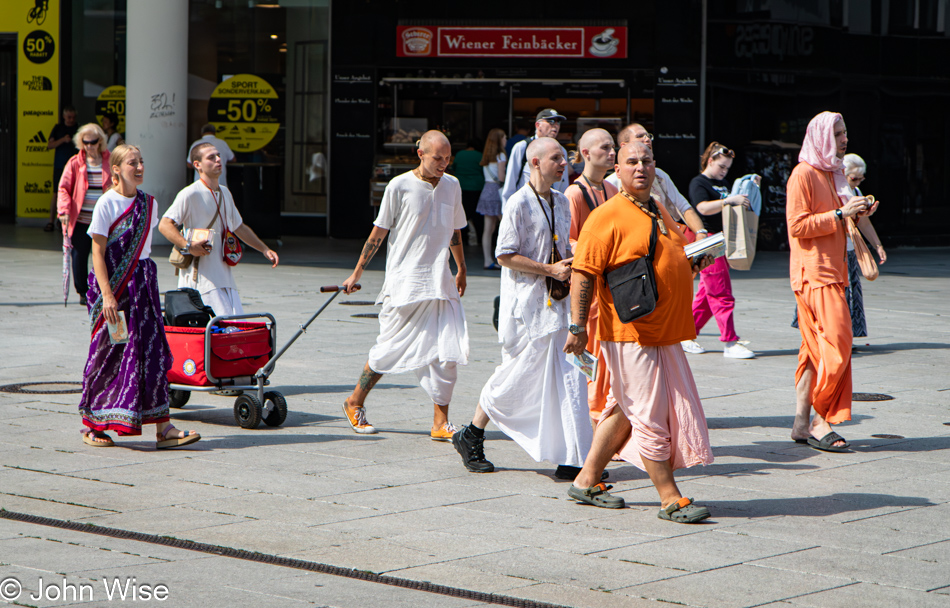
(163, 442)
(89, 437)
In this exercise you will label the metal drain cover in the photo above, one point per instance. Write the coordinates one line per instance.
(870, 397)
(43, 388)
(366, 315)
(888, 436)
(357, 303)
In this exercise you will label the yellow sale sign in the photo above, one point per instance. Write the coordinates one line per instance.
(36, 24)
(245, 113)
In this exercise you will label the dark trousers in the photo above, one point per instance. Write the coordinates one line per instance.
(82, 247)
(469, 203)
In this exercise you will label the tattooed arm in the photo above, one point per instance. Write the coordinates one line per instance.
(458, 252)
(373, 243)
(582, 292)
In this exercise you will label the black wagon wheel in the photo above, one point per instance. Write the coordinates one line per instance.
(247, 411)
(277, 415)
(178, 398)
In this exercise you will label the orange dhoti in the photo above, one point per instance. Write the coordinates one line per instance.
(597, 388)
(825, 322)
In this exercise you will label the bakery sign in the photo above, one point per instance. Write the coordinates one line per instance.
(582, 42)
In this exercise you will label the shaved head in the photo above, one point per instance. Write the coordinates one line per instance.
(432, 140)
(547, 162)
(593, 137)
(636, 168)
(435, 154)
(539, 147)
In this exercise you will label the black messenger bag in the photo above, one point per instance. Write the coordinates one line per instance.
(633, 285)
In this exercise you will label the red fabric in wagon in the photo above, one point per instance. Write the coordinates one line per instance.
(234, 354)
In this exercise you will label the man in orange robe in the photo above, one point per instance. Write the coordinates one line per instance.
(817, 208)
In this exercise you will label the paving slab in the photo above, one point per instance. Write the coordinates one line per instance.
(399, 503)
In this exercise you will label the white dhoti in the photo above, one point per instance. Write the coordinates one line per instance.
(540, 400)
(224, 301)
(428, 337)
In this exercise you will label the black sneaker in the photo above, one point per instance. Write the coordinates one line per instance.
(472, 451)
(564, 471)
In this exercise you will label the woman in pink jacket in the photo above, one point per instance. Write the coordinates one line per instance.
(84, 180)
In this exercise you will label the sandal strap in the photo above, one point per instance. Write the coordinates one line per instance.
(679, 504)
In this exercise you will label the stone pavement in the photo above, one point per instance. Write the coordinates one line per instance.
(791, 526)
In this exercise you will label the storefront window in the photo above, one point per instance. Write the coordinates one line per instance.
(96, 65)
(284, 44)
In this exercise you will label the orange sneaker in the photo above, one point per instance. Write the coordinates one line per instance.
(444, 433)
(357, 420)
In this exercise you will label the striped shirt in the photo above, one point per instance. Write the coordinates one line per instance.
(93, 192)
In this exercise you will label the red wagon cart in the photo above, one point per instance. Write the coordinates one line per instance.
(233, 356)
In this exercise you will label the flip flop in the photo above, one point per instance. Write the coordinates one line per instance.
(683, 511)
(164, 443)
(87, 438)
(826, 443)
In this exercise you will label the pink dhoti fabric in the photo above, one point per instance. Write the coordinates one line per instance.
(653, 386)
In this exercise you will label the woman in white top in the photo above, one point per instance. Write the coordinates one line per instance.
(125, 382)
(489, 203)
(110, 124)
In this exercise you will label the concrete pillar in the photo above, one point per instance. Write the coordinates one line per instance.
(156, 98)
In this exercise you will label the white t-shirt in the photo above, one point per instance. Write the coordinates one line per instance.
(491, 170)
(113, 141)
(513, 184)
(109, 208)
(223, 149)
(666, 186)
(421, 220)
(193, 208)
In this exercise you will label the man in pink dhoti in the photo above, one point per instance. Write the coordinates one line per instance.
(818, 206)
(654, 418)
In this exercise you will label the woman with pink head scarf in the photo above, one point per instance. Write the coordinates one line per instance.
(818, 203)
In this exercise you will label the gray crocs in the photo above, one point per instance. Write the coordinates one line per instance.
(683, 511)
(597, 496)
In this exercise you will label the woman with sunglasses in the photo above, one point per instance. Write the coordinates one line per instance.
(709, 193)
(85, 178)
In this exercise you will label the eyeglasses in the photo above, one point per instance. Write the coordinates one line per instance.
(551, 121)
(857, 178)
(646, 136)
(724, 151)
(90, 143)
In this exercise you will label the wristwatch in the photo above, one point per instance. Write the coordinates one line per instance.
(576, 329)
(184, 250)
(839, 214)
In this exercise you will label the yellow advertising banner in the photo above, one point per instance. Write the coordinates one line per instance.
(244, 112)
(36, 24)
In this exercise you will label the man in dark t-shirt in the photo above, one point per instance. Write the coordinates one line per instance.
(61, 140)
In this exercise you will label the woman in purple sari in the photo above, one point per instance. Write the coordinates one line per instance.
(125, 384)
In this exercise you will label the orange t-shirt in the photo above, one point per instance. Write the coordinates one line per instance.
(579, 208)
(617, 233)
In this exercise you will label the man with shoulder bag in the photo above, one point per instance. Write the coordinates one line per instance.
(208, 204)
(653, 418)
(535, 396)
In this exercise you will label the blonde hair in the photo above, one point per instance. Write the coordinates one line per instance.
(77, 138)
(493, 147)
(118, 157)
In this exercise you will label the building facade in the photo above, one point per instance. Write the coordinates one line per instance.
(322, 100)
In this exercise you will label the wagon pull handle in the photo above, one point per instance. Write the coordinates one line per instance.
(330, 288)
